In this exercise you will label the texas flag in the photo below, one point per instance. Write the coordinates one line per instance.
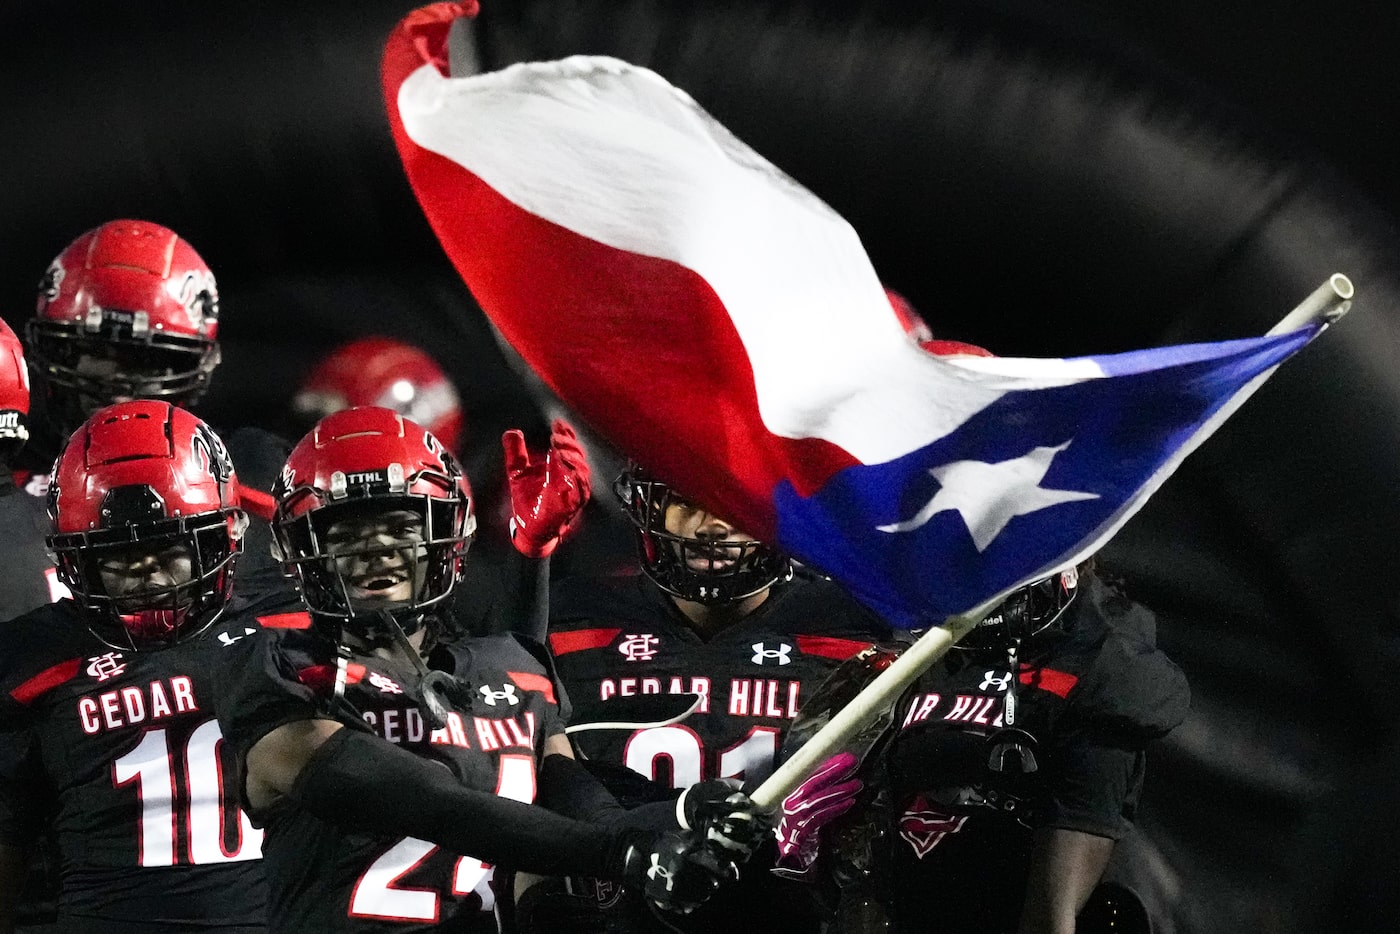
(724, 327)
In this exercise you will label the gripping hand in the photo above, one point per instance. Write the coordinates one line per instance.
(723, 817)
(678, 871)
(827, 793)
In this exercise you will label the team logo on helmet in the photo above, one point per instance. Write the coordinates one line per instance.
(52, 281)
(200, 297)
(212, 454)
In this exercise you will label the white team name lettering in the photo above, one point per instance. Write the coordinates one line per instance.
(504, 734)
(631, 687)
(133, 705)
(920, 708)
(764, 697)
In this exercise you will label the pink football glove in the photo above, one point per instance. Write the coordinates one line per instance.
(547, 494)
(828, 793)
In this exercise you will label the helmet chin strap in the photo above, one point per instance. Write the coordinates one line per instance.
(439, 689)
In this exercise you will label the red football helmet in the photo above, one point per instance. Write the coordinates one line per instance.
(373, 515)
(127, 311)
(146, 523)
(387, 373)
(14, 395)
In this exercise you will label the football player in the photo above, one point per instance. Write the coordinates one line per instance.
(129, 310)
(1015, 763)
(29, 579)
(394, 762)
(110, 691)
(30, 582)
(721, 620)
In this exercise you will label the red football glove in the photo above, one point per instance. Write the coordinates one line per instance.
(547, 495)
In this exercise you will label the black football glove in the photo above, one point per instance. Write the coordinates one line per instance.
(677, 872)
(724, 817)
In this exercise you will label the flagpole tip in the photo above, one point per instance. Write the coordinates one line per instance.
(1326, 304)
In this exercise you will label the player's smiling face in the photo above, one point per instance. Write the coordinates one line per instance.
(687, 521)
(378, 556)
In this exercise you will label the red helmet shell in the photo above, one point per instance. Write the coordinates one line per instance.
(364, 451)
(129, 268)
(380, 371)
(142, 443)
(14, 389)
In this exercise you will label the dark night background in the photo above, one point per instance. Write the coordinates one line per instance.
(1043, 179)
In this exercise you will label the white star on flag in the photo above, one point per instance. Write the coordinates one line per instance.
(988, 496)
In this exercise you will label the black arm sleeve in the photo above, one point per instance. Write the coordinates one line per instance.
(361, 782)
(568, 788)
(526, 582)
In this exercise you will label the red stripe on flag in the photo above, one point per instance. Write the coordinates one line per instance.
(577, 309)
(830, 647)
(532, 682)
(1048, 679)
(46, 680)
(299, 619)
(562, 643)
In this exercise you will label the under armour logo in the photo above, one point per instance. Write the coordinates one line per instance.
(227, 639)
(507, 695)
(106, 666)
(658, 871)
(639, 648)
(385, 684)
(762, 655)
(991, 679)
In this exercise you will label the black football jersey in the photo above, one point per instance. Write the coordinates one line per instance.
(618, 638)
(967, 788)
(327, 878)
(30, 579)
(125, 749)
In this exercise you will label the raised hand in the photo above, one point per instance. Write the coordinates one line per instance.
(548, 493)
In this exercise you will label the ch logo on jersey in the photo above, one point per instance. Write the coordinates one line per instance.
(385, 684)
(106, 666)
(763, 655)
(227, 639)
(507, 694)
(991, 679)
(639, 648)
(924, 826)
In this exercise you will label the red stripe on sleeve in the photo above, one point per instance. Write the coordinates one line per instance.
(830, 647)
(297, 620)
(1048, 679)
(257, 502)
(562, 643)
(46, 680)
(533, 682)
(321, 678)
